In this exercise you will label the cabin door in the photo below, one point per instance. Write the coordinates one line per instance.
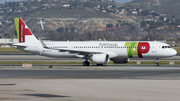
(154, 47)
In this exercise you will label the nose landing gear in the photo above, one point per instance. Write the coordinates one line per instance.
(156, 62)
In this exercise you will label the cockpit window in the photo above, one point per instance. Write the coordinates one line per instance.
(163, 47)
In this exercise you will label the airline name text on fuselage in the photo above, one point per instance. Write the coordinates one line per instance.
(108, 45)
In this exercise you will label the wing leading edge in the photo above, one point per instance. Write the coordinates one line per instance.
(80, 52)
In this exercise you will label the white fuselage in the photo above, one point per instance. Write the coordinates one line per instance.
(113, 48)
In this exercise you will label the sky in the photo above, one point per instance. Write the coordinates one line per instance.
(119, 1)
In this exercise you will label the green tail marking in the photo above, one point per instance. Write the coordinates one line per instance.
(16, 21)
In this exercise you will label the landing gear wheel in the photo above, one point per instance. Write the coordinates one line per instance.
(85, 63)
(99, 64)
(156, 62)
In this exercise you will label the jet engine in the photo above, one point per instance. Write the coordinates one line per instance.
(120, 60)
(100, 58)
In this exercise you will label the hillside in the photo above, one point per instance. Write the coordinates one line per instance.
(169, 7)
(83, 16)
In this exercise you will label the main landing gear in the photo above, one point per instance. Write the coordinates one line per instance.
(86, 63)
(156, 62)
(99, 64)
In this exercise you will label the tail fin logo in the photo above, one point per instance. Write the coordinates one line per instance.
(21, 36)
(22, 29)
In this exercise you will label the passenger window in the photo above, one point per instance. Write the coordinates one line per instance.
(162, 47)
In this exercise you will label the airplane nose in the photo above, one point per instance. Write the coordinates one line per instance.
(174, 52)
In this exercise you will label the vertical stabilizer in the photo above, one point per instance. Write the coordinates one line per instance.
(23, 32)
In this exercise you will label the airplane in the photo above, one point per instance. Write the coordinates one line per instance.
(99, 52)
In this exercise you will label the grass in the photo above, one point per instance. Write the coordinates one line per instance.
(10, 50)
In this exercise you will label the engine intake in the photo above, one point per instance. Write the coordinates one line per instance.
(100, 58)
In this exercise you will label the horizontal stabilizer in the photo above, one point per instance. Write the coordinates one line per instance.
(19, 45)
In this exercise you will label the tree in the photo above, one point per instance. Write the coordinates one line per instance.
(145, 13)
(117, 25)
(109, 25)
(61, 29)
(73, 29)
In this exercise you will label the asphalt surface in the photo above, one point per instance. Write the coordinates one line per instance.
(92, 83)
(107, 72)
(29, 89)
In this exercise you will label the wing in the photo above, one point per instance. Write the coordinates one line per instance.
(80, 52)
(88, 53)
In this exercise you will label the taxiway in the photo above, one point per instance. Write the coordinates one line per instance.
(117, 84)
(92, 72)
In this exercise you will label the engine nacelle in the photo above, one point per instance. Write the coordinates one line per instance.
(120, 60)
(100, 58)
